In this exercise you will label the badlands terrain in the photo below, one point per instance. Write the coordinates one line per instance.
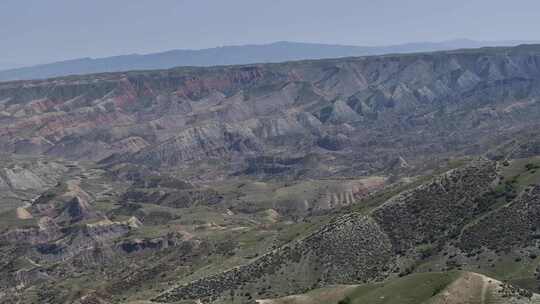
(386, 179)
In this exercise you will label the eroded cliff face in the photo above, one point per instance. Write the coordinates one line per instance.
(360, 108)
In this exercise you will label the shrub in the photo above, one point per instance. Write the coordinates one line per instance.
(531, 166)
(347, 300)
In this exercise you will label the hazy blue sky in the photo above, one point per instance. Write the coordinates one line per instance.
(33, 31)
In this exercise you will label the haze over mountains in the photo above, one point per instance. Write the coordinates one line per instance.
(228, 55)
(395, 179)
(5, 65)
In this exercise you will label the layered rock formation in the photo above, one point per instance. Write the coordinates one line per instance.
(364, 108)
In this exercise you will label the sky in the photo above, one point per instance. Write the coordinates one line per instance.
(40, 31)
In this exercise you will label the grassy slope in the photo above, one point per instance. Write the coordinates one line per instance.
(412, 289)
(416, 288)
(522, 172)
(454, 287)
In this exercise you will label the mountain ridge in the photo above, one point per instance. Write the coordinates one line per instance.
(171, 116)
(230, 55)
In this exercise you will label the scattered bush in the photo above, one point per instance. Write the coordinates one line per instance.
(346, 300)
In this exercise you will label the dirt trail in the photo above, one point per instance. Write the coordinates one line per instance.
(33, 263)
(485, 285)
(330, 294)
(468, 288)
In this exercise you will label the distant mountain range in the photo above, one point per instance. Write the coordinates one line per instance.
(4, 65)
(229, 55)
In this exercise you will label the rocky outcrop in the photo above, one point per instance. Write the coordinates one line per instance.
(334, 143)
(77, 240)
(202, 142)
(65, 203)
(155, 244)
(77, 209)
(25, 178)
